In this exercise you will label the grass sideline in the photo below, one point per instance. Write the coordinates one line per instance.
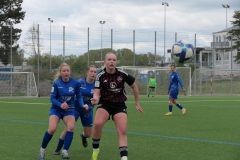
(209, 130)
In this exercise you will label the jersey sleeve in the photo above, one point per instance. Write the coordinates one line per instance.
(179, 81)
(130, 79)
(155, 82)
(78, 94)
(97, 84)
(54, 94)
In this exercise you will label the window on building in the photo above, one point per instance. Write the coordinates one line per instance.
(224, 38)
(218, 58)
(216, 38)
(226, 58)
(219, 38)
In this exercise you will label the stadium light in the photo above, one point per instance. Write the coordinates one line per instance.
(101, 22)
(165, 4)
(51, 21)
(226, 6)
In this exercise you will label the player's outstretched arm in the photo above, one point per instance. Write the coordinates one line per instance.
(136, 96)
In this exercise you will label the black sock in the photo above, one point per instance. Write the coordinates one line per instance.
(83, 137)
(123, 151)
(95, 143)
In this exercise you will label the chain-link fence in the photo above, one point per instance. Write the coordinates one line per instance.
(215, 82)
(43, 47)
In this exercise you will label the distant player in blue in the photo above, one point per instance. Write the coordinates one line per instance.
(173, 91)
(63, 94)
(86, 116)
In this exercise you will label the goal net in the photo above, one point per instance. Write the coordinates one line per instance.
(143, 74)
(17, 84)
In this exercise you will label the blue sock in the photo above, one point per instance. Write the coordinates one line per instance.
(68, 140)
(179, 106)
(170, 108)
(60, 144)
(46, 139)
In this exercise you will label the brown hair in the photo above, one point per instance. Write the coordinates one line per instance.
(91, 67)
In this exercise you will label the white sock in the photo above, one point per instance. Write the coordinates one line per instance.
(96, 149)
(42, 149)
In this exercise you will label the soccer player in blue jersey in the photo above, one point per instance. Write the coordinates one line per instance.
(63, 93)
(110, 95)
(86, 116)
(173, 91)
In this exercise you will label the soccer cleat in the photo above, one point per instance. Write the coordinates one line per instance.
(183, 111)
(84, 141)
(125, 158)
(41, 155)
(56, 152)
(95, 154)
(64, 154)
(168, 114)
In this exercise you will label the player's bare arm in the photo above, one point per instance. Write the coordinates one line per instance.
(96, 96)
(136, 96)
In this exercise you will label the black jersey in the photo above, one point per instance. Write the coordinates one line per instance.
(112, 87)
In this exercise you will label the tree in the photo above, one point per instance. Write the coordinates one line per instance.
(31, 42)
(234, 35)
(10, 14)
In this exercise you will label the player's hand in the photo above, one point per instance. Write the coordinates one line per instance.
(139, 108)
(94, 100)
(168, 92)
(85, 106)
(64, 106)
(184, 90)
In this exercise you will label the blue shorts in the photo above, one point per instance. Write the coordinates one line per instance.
(60, 114)
(85, 116)
(174, 94)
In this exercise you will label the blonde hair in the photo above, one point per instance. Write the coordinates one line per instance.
(110, 53)
(58, 75)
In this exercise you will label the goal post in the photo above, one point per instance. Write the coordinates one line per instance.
(143, 74)
(18, 84)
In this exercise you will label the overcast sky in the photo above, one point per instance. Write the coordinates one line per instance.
(186, 18)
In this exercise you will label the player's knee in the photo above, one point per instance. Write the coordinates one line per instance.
(122, 133)
(51, 130)
(70, 127)
(98, 125)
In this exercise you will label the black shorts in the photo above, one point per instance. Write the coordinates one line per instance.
(112, 108)
(151, 87)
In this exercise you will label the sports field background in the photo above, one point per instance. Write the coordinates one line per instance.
(209, 130)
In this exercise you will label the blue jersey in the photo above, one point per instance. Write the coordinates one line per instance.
(87, 90)
(174, 81)
(65, 92)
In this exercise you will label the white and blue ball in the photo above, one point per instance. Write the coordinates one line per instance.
(182, 51)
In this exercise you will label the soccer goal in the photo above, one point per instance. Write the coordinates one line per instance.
(18, 84)
(143, 74)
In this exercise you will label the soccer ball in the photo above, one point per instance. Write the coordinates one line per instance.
(182, 51)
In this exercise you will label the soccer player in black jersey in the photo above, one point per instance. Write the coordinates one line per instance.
(110, 96)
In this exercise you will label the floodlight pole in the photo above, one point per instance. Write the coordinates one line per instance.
(165, 4)
(101, 22)
(226, 6)
(51, 21)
